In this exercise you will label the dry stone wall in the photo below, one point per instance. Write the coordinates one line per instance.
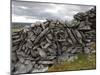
(36, 47)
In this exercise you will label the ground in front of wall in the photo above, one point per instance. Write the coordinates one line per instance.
(83, 62)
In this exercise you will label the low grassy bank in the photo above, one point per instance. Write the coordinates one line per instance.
(84, 62)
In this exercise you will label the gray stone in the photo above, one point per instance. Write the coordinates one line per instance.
(41, 35)
(33, 25)
(13, 57)
(86, 50)
(63, 58)
(16, 41)
(72, 58)
(50, 57)
(85, 28)
(34, 53)
(29, 43)
(41, 52)
(46, 62)
(21, 59)
(40, 69)
(71, 35)
(15, 33)
(48, 44)
(16, 37)
(50, 36)
(22, 68)
(14, 48)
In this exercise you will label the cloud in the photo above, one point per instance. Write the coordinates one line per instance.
(24, 19)
(37, 10)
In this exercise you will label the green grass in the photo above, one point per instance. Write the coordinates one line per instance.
(84, 62)
(14, 30)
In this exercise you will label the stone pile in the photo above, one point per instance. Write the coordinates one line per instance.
(36, 47)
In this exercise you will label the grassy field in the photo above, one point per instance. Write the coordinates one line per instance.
(84, 62)
(14, 30)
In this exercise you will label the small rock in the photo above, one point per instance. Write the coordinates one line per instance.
(46, 62)
(86, 50)
(41, 52)
(72, 58)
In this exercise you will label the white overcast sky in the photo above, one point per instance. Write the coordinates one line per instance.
(33, 11)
